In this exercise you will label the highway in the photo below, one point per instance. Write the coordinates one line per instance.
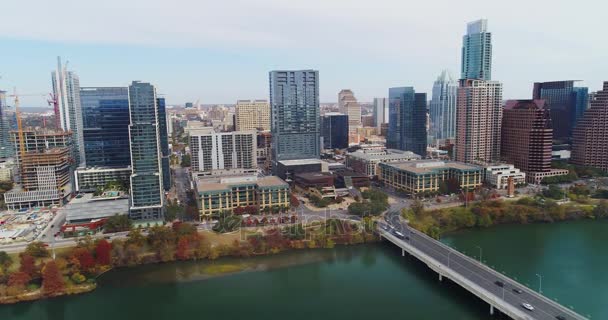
(465, 270)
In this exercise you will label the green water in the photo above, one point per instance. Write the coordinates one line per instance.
(359, 282)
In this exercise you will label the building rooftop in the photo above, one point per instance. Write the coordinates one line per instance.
(225, 183)
(88, 207)
(389, 154)
(300, 162)
(430, 166)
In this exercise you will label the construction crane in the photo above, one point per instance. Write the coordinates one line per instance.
(52, 101)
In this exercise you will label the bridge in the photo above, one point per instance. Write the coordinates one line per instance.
(499, 291)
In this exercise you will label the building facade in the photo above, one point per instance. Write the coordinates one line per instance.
(223, 151)
(105, 118)
(366, 161)
(380, 112)
(6, 148)
(164, 143)
(590, 139)
(252, 115)
(147, 192)
(477, 51)
(478, 121)
(334, 130)
(566, 103)
(498, 176)
(294, 106)
(66, 90)
(349, 106)
(90, 179)
(425, 176)
(407, 120)
(443, 107)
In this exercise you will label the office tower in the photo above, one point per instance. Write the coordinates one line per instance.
(294, 106)
(264, 150)
(334, 130)
(6, 149)
(66, 88)
(380, 112)
(407, 120)
(147, 195)
(105, 119)
(164, 143)
(478, 120)
(590, 138)
(443, 107)
(348, 105)
(223, 152)
(252, 115)
(527, 136)
(566, 103)
(477, 51)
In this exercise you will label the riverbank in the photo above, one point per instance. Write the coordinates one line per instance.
(489, 213)
(74, 270)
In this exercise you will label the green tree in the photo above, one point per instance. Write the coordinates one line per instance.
(37, 249)
(554, 192)
(601, 210)
(5, 260)
(117, 223)
(417, 208)
(227, 222)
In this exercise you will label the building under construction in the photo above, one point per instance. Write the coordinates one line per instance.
(41, 140)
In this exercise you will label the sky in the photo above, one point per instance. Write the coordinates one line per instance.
(220, 51)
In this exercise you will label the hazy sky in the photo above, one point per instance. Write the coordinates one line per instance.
(221, 50)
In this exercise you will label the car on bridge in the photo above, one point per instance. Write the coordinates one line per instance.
(527, 306)
(398, 234)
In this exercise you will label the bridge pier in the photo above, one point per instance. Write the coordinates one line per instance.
(491, 310)
(403, 252)
(440, 277)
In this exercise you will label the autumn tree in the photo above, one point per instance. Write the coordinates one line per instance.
(182, 248)
(27, 264)
(85, 259)
(18, 279)
(52, 280)
(37, 249)
(103, 252)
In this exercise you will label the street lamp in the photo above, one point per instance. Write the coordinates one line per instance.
(540, 283)
(480, 253)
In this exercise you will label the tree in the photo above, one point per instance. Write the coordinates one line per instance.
(5, 260)
(18, 279)
(417, 208)
(85, 259)
(186, 160)
(27, 264)
(136, 238)
(117, 223)
(554, 192)
(37, 249)
(601, 210)
(103, 252)
(52, 280)
(227, 222)
(182, 248)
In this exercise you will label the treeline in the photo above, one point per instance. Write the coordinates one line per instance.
(372, 203)
(488, 213)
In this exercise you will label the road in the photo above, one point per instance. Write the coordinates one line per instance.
(478, 273)
(182, 184)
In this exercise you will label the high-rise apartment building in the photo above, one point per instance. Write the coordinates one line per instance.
(334, 130)
(164, 143)
(407, 120)
(66, 88)
(566, 102)
(527, 137)
(147, 192)
(477, 51)
(478, 121)
(252, 115)
(223, 152)
(6, 148)
(380, 112)
(294, 106)
(443, 107)
(590, 138)
(105, 119)
(349, 105)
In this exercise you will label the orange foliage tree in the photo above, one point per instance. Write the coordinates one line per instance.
(103, 252)
(52, 280)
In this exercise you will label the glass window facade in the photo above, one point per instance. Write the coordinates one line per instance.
(334, 129)
(407, 120)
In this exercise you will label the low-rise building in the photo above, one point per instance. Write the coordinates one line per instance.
(287, 169)
(217, 194)
(89, 179)
(365, 161)
(498, 176)
(421, 176)
(314, 180)
(86, 208)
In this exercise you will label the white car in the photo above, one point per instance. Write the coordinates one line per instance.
(527, 306)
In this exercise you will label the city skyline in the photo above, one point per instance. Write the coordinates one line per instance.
(204, 57)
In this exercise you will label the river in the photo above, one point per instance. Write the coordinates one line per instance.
(358, 282)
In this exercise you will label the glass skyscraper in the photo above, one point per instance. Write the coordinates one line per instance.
(105, 118)
(443, 107)
(477, 52)
(147, 194)
(334, 130)
(407, 120)
(6, 148)
(164, 143)
(294, 108)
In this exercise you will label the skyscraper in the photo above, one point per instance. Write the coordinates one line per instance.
(252, 115)
(226, 152)
(443, 107)
(350, 106)
(66, 88)
(478, 121)
(477, 51)
(527, 137)
(164, 143)
(147, 195)
(407, 120)
(334, 130)
(566, 102)
(105, 119)
(294, 106)
(380, 112)
(590, 138)
(6, 149)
